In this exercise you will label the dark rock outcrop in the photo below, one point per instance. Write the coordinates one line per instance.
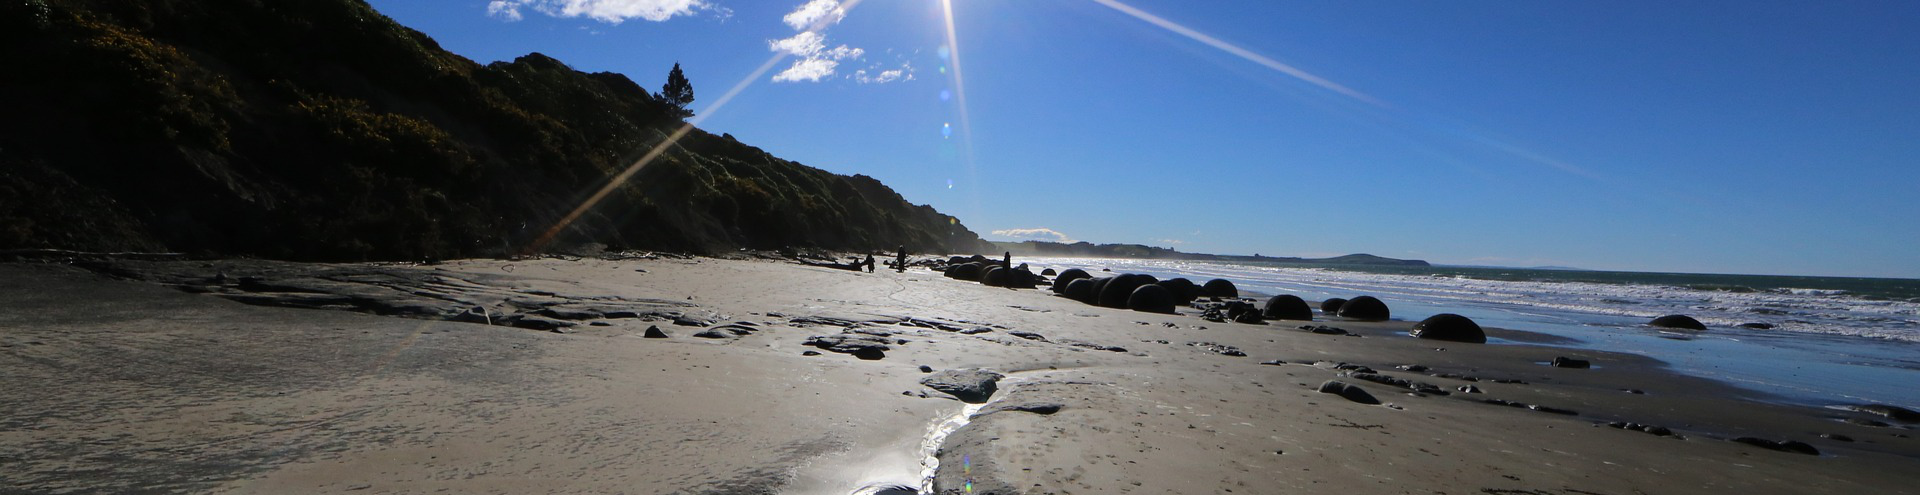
(995, 276)
(1567, 362)
(1365, 308)
(964, 271)
(1347, 391)
(1085, 290)
(973, 386)
(1332, 306)
(1683, 322)
(1449, 327)
(863, 346)
(1184, 292)
(1287, 307)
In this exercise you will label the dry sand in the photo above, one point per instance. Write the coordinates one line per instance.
(117, 385)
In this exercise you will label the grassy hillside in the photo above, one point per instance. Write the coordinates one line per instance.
(321, 129)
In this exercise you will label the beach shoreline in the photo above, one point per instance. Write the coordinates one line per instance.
(209, 376)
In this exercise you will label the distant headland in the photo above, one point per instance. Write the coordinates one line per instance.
(1086, 249)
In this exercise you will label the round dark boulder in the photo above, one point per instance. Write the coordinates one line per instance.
(1678, 321)
(1349, 392)
(1219, 287)
(1364, 308)
(1449, 327)
(964, 271)
(1184, 292)
(995, 276)
(1047, 272)
(1115, 294)
(1332, 306)
(1099, 284)
(1287, 307)
(1082, 290)
(1019, 278)
(1151, 298)
(1071, 274)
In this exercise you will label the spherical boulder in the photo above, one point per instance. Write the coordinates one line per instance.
(1151, 298)
(1332, 306)
(1678, 321)
(1287, 307)
(1085, 290)
(1020, 278)
(1219, 287)
(1115, 294)
(1184, 292)
(1047, 272)
(1449, 327)
(1071, 274)
(1099, 284)
(964, 271)
(1364, 308)
(995, 276)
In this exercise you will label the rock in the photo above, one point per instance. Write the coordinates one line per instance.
(1274, 362)
(1118, 291)
(1287, 307)
(1332, 306)
(654, 332)
(1444, 326)
(1868, 422)
(926, 369)
(1184, 292)
(1020, 278)
(809, 353)
(1567, 362)
(1678, 321)
(539, 323)
(1151, 298)
(566, 313)
(600, 324)
(868, 347)
(474, 314)
(1553, 410)
(1757, 326)
(713, 333)
(1250, 316)
(1221, 349)
(1468, 389)
(972, 386)
(1365, 308)
(1028, 335)
(1040, 408)
(1084, 290)
(1324, 330)
(1067, 277)
(1049, 272)
(964, 271)
(1836, 437)
(1349, 392)
(995, 276)
(1412, 368)
(1787, 446)
(1219, 287)
(1895, 413)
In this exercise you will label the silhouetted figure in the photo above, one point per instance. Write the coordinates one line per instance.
(869, 262)
(900, 262)
(1007, 262)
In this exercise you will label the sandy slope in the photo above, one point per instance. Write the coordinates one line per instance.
(115, 385)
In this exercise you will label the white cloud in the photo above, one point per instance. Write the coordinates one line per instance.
(822, 12)
(805, 44)
(1171, 241)
(863, 76)
(1041, 234)
(816, 62)
(608, 11)
(810, 70)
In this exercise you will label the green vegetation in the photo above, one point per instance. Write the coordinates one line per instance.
(323, 130)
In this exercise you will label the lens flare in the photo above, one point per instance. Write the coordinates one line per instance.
(946, 131)
(1240, 52)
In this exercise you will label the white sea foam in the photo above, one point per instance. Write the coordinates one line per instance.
(1813, 311)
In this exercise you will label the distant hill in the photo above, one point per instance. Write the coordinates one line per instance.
(1089, 250)
(321, 129)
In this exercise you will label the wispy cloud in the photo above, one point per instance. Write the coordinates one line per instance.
(821, 13)
(816, 61)
(1039, 234)
(608, 11)
(864, 76)
(1170, 241)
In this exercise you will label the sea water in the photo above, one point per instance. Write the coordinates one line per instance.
(1834, 340)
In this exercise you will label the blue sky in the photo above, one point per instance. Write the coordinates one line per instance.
(1724, 137)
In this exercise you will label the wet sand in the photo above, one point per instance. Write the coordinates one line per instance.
(168, 377)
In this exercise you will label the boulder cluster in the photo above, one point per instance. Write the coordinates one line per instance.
(1138, 292)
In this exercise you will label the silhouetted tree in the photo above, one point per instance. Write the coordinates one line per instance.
(678, 92)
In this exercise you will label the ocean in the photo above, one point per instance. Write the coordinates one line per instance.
(1833, 341)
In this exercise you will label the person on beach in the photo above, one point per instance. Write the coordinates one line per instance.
(1007, 262)
(900, 262)
(869, 262)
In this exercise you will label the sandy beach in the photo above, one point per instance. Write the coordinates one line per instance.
(264, 377)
